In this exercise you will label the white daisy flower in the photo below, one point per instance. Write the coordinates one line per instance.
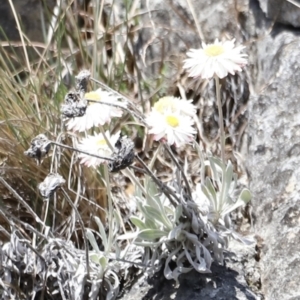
(96, 144)
(219, 58)
(97, 114)
(173, 104)
(171, 126)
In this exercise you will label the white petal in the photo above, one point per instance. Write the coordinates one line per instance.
(200, 64)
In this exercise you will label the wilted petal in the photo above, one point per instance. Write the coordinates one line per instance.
(75, 105)
(82, 80)
(39, 147)
(123, 155)
(52, 182)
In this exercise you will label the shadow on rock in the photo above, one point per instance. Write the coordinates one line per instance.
(222, 284)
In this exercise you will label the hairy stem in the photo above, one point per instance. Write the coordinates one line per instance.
(221, 125)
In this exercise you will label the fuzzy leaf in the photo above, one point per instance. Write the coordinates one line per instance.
(92, 240)
(226, 181)
(245, 196)
(95, 257)
(148, 244)
(167, 270)
(174, 234)
(138, 222)
(178, 213)
(151, 223)
(154, 214)
(216, 166)
(209, 191)
(151, 234)
(127, 236)
(201, 268)
(103, 262)
(102, 232)
(243, 199)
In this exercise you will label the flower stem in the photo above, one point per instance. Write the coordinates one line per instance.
(80, 151)
(83, 231)
(188, 188)
(221, 125)
(110, 210)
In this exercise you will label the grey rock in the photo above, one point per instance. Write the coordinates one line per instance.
(32, 14)
(253, 21)
(282, 11)
(273, 162)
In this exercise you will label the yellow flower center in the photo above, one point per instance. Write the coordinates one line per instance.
(101, 142)
(92, 96)
(172, 121)
(165, 103)
(214, 50)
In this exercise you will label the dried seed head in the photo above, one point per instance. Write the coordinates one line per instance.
(123, 155)
(82, 80)
(72, 97)
(39, 147)
(52, 182)
(75, 105)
